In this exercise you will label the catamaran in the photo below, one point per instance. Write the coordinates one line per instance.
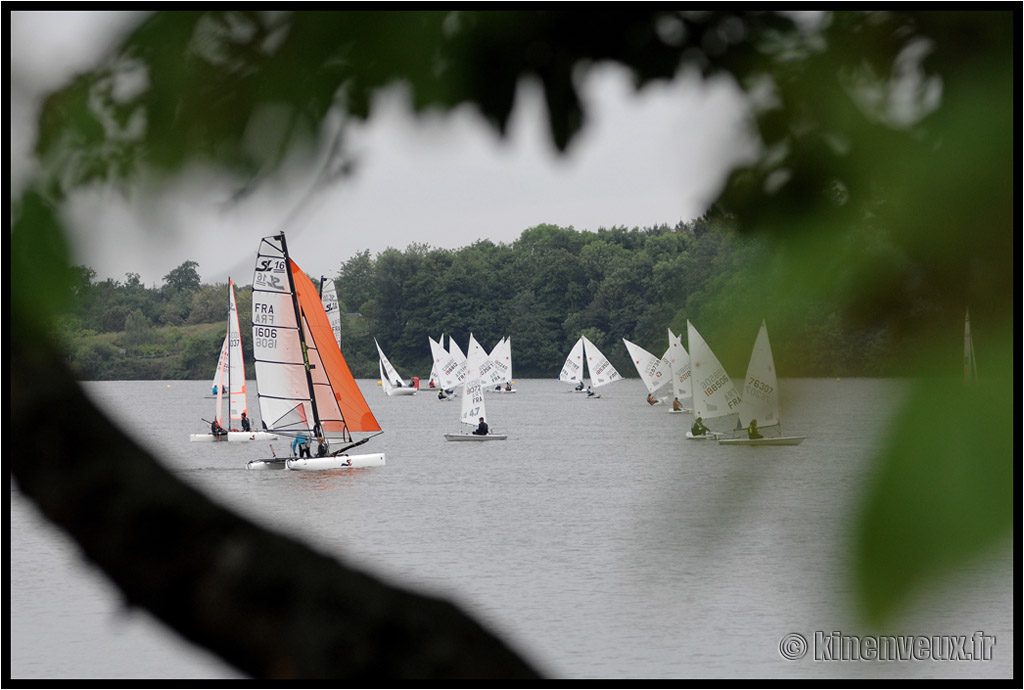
(305, 386)
(229, 382)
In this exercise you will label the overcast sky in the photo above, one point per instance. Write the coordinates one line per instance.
(647, 158)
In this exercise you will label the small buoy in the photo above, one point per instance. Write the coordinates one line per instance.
(379, 383)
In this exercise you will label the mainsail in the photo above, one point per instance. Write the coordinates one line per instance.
(572, 369)
(329, 296)
(600, 369)
(655, 372)
(679, 358)
(761, 388)
(304, 383)
(714, 396)
(970, 365)
(230, 378)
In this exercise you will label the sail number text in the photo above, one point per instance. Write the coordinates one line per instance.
(264, 337)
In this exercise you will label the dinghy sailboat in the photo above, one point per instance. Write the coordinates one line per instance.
(682, 388)
(715, 400)
(390, 380)
(229, 383)
(473, 411)
(305, 386)
(654, 372)
(760, 403)
(601, 371)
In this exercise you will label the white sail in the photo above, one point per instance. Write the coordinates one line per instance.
(501, 355)
(572, 370)
(761, 388)
(390, 379)
(450, 371)
(760, 402)
(600, 369)
(655, 372)
(714, 397)
(329, 296)
(473, 407)
(221, 378)
(460, 360)
(486, 370)
(970, 365)
(678, 357)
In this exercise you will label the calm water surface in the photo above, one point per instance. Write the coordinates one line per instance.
(597, 539)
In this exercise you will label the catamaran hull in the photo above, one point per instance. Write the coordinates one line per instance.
(336, 462)
(267, 464)
(474, 437)
(776, 441)
(233, 437)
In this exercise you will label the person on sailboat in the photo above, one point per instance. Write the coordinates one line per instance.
(482, 429)
(590, 392)
(752, 431)
(441, 395)
(217, 430)
(580, 387)
(508, 385)
(675, 405)
(651, 400)
(300, 446)
(322, 447)
(246, 426)
(698, 428)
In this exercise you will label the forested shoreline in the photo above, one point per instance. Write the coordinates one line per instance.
(543, 290)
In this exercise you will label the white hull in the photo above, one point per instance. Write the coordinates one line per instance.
(336, 462)
(401, 391)
(233, 437)
(776, 441)
(706, 437)
(474, 437)
(266, 464)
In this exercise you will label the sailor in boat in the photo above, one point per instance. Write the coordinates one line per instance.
(215, 389)
(246, 426)
(698, 428)
(322, 447)
(481, 429)
(752, 431)
(590, 392)
(651, 400)
(300, 446)
(580, 387)
(217, 430)
(508, 385)
(441, 394)
(675, 405)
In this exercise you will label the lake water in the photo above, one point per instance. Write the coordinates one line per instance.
(597, 539)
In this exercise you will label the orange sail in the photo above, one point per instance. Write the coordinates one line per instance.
(340, 404)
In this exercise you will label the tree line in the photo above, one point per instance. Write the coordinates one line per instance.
(543, 290)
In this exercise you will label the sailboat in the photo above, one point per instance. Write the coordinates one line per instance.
(305, 386)
(760, 401)
(970, 365)
(329, 296)
(682, 388)
(655, 372)
(229, 382)
(715, 399)
(390, 381)
(450, 370)
(473, 409)
(501, 356)
(601, 370)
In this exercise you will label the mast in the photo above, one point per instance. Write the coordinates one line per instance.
(302, 336)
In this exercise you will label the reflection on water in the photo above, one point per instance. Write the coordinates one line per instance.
(597, 538)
